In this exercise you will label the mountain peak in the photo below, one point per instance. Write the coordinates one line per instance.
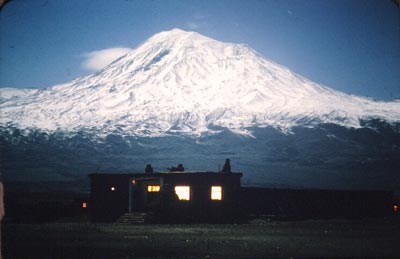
(177, 33)
(184, 82)
(177, 38)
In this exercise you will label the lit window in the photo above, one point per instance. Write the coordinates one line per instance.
(133, 181)
(216, 193)
(395, 208)
(183, 192)
(84, 205)
(112, 188)
(153, 188)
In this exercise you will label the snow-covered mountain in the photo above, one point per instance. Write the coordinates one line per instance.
(184, 82)
(181, 97)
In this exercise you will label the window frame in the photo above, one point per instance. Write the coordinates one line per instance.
(153, 188)
(216, 195)
(183, 195)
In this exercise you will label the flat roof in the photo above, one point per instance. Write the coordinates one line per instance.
(157, 174)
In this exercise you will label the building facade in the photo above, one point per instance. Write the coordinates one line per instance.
(217, 197)
(167, 197)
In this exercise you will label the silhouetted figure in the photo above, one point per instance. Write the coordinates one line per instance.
(227, 166)
(180, 168)
(148, 169)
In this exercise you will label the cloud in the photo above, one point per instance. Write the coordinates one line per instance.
(99, 59)
(198, 20)
(192, 25)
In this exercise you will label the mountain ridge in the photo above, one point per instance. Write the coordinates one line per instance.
(180, 97)
(179, 82)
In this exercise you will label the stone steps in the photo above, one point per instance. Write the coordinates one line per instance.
(132, 218)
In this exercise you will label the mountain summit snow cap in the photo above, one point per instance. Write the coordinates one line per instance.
(177, 35)
(180, 82)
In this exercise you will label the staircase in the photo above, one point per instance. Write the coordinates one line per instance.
(132, 218)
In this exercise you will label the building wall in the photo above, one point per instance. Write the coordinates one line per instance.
(317, 204)
(107, 204)
(201, 208)
(237, 202)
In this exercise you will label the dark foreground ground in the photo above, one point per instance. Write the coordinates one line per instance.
(303, 239)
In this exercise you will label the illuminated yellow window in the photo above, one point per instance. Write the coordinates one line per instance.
(183, 192)
(216, 193)
(84, 205)
(153, 188)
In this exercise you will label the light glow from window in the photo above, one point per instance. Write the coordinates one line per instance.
(216, 193)
(84, 205)
(153, 188)
(395, 208)
(112, 188)
(183, 192)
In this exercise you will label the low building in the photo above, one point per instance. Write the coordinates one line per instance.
(192, 197)
(168, 197)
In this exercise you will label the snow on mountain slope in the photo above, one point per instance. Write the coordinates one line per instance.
(8, 92)
(183, 82)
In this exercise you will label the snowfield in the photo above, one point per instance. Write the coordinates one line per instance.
(183, 82)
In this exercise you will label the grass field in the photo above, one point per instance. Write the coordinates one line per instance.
(303, 239)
